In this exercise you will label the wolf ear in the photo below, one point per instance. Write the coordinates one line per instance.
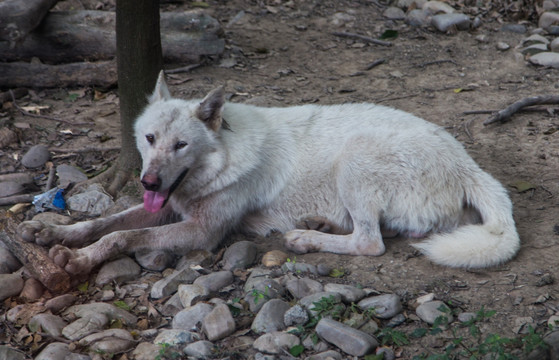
(161, 91)
(209, 110)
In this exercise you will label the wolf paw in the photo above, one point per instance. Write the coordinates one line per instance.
(300, 241)
(72, 261)
(38, 232)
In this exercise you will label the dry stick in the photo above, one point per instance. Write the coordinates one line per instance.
(16, 199)
(505, 114)
(375, 64)
(183, 69)
(436, 62)
(362, 37)
(26, 113)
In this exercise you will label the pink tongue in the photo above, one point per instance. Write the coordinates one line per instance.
(153, 200)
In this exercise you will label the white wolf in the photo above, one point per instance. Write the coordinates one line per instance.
(211, 168)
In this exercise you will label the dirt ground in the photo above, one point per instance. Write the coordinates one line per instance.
(283, 53)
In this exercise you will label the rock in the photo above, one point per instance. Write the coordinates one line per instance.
(295, 315)
(53, 351)
(386, 352)
(308, 302)
(550, 59)
(548, 19)
(146, 351)
(535, 39)
(299, 268)
(215, 281)
(552, 340)
(199, 349)
(32, 290)
(271, 317)
(393, 13)
(502, 46)
(348, 293)
(240, 255)
(202, 258)
(422, 300)
(431, 310)
(188, 319)
(396, 320)
(384, 306)
(437, 7)
(86, 325)
(119, 271)
(174, 337)
(534, 49)
(47, 323)
(553, 322)
(323, 269)
(10, 285)
(189, 294)
(219, 323)
(93, 201)
(112, 341)
(522, 324)
(340, 19)
(257, 275)
(326, 355)
(154, 260)
(172, 306)
(170, 284)
(299, 288)
(349, 340)
(8, 262)
(59, 303)
(554, 46)
(9, 188)
(263, 291)
(274, 258)
(69, 175)
(315, 344)
(466, 316)
(111, 311)
(35, 157)
(514, 28)
(417, 17)
(276, 342)
(445, 22)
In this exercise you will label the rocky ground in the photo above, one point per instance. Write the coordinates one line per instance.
(282, 53)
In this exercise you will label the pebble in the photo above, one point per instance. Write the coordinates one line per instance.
(154, 260)
(215, 281)
(393, 13)
(348, 293)
(188, 319)
(311, 343)
(10, 285)
(93, 201)
(199, 349)
(9, 188)
(271, 317)
(172, 306)
(429, 311)
(111, 311)
(32, 289)
(47, 323)
(59, 303)
(514, 28)
(274, 258)
(547, 19)
(86, 325)
(437, 7)
(553, 322)
(295, 315)
(552, 340)
(308, 301)
(53, 351)
(351, 341)
(170, 284)
(189, 294)
(119, 271)
(8, 262)
(299, 288)
(299, 268)
(502, 46)
(550, 59)
(175, 337)
(240, 255)
(417, 17)
(261, 292)
(522, 324)
(111, 341)
(201, 258)
(445, 22)
(326, 355)
(385, 306)
(69, 175)
(534, 49)
(466, 316)
(535, 39)
(35, 157)
(276, 342)
(219, 323)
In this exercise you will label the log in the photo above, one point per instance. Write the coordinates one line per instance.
(89, 35)
(19, 17)
(34, 257)
(21, 74)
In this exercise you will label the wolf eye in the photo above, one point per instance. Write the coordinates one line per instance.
(150, 138)
(179, 145)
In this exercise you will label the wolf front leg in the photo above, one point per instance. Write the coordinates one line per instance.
(178, 238)
(82, 233)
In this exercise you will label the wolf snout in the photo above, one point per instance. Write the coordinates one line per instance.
(151, 182)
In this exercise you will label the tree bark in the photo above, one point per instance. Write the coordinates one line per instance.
(89, 35)
(20, 74)
(19, 17)
(34, 257)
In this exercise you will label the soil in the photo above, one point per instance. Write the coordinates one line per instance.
(283, 53)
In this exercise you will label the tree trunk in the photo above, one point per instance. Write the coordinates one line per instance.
(89, 35)
(19, 17)
(139, 60)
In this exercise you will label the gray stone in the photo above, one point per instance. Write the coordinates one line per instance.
(9, 353)
(431, 310)
(59, 303)
(174, 337)
(445, 22)
(384, 306)
(514, 28)
(349, 293)
(548, 19)
(154, 260)
(261, 292)
(550, 59)
(552, 340)
(295, 315)
(199, 349)
(69, 175)
(417, 17)
(47, 323)
(554, 46)
(393, 13)
(270, 317)
(111, 311)
(172, 306)
(326, 355)
(215, 281)
(387, 353)
(146, 351)
(502, 46)
(276, 342)
(351, 341)
(119, 271)
(534, 49)
(111, 341)
(553, 322)
(437, 7)
(535, 39)
(257, 275)
(9, 188)
(396, 320)
(35, 157)
(188, 319)
(219, 323)
(299, 288)
(239, 255)
(308, 301)
(189, 294)
(86, 325)
(299, 268)
(202, 258)
(8, 262)
(522, 324)
(53, 351)
(466, 316)
(93, 201)
(10, 285)
(170, 284)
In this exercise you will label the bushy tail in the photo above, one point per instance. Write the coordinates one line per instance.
(492, 242)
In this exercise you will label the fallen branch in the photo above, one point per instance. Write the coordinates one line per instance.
(362, 38)
(18, 18)
(34, 257)
(16, 199)
(375, 64)
(505, 114)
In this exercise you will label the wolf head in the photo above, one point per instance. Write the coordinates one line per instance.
(175, 138)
